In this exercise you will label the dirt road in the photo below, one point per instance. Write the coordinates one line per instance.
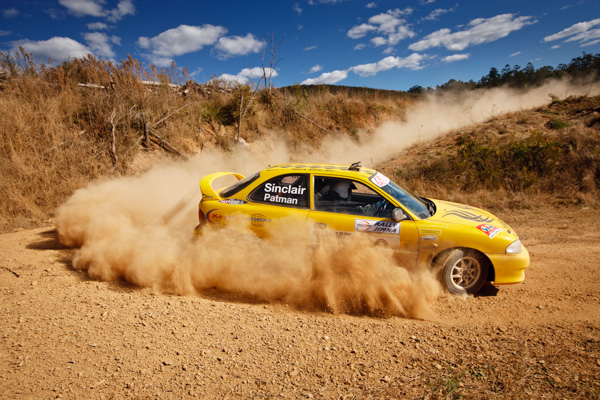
(66, 336)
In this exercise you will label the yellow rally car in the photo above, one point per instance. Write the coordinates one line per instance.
(470, 244)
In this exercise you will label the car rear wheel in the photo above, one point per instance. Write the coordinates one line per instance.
(464, 272)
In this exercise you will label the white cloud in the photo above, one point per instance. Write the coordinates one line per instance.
(316, 68)
(5, 33)
(573, 30)
(412, 62)
(379, 41)
(433, 16)
(359, 31)
(249, 74)
(327, 78)
(101, 43)
(196, 73)
(238, 45)
(125, 7)
(389, 27)
(456, 57)
(95, 8)
(515, 54)
(388, 22)
(181, 40)
(592, 43)
(480, 30)
(580, 32)
(81, 8)
(57, 48)
(97, 26)
(10, 12)
(309, 48)
(360, 46)
(371, 5)
(297, 8)
(586, 38)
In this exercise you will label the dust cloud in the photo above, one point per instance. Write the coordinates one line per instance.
(140, 228)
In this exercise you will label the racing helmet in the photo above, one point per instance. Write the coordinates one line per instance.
(342, 188)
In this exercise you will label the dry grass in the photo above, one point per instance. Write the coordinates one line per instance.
(63, 126)
(529, 159)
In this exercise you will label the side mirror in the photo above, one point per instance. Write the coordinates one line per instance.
(398, 215)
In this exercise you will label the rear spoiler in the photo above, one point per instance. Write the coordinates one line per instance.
(208, 192)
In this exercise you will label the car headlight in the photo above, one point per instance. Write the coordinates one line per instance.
(514, 248)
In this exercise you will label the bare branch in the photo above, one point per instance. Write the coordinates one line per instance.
(165, 145)
(242, 115)
(313, 122)
(170, 115)
(145, 126)
(113, 150)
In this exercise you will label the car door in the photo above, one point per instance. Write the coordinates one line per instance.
(364, 213)
(284, 196)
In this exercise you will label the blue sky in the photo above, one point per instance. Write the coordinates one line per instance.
(379, 44)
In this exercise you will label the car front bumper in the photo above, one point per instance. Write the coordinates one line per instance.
(509, 268)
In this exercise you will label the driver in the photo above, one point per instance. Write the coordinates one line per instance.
(342, 190)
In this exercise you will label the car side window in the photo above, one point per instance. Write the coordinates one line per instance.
(283, 190)
(346, 196)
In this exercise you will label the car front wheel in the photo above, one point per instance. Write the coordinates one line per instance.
(464, 272)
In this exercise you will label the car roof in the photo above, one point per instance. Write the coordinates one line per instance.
(322, 168)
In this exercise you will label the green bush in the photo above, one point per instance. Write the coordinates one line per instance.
(513, 165)
(557, 124)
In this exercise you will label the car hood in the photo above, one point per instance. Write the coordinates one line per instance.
(456, 213)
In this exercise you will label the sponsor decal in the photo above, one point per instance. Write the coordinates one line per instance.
(273, 188)
(259, 220)
(489, 230)
(380, 180)
(282, 193)
(212, 217)
(366, 225)
(429, 238)
(235, 202)
(430, 231)
(342, 235)
(469, 216)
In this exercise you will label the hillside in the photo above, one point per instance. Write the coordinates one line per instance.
(546, 155)
(90, 119)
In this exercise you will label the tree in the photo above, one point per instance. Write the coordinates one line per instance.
(416, 89)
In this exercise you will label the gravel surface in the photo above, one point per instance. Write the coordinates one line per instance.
(65, 335)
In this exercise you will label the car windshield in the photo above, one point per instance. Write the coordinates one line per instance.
(415, 204)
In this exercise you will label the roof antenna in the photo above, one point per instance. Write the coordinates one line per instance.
(355, 166)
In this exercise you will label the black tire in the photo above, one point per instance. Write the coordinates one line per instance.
(464, 272)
